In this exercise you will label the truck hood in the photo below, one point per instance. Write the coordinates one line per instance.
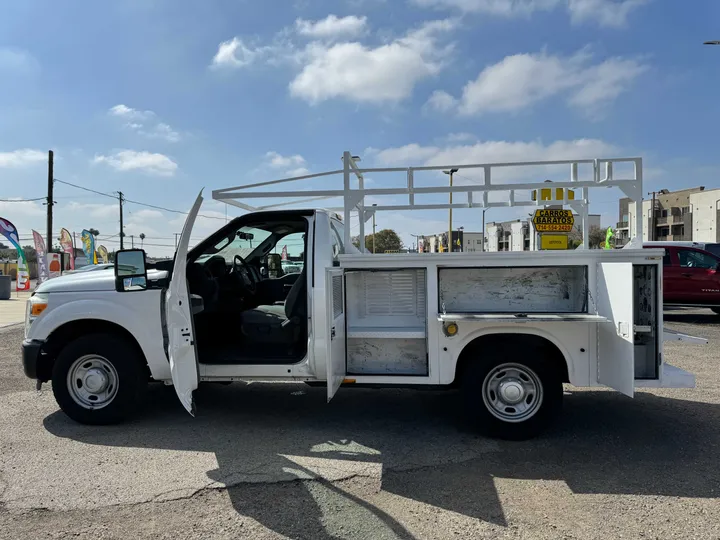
(98, 280)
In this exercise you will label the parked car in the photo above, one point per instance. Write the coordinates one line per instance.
(712, 247)
(691, 276)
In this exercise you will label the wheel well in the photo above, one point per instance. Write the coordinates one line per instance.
(82, 327)
(525, 342)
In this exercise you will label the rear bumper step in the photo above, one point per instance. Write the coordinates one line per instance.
(672, 377)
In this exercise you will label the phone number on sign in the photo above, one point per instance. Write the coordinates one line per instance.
(554, 228)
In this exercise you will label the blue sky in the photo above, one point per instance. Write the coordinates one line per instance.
(159, 98)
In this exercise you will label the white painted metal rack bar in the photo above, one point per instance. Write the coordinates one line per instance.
(354, 198)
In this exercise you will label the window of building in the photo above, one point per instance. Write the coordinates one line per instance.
(690, 258)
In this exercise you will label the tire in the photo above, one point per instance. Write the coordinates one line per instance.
(513, 368)
(716, 310)
(104, 366)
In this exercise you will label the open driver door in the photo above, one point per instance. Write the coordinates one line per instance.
(182, 350)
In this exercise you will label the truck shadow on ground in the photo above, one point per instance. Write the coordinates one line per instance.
(267, 438)
(704, 317)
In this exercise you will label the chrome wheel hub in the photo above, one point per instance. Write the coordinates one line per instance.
(512, 392)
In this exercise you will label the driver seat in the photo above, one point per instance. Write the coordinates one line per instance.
(279, 323)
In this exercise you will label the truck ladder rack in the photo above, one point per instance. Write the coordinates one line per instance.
(354, 197)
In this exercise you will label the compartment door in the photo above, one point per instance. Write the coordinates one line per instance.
(335, 358)
(616, 343)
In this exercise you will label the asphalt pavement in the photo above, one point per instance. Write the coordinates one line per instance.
(275, 461)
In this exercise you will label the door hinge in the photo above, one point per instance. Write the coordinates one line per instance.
(332, 333)
(623, 329)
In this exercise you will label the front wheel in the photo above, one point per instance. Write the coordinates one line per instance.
(99, 379)
(512, 398)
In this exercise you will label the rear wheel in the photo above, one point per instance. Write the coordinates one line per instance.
(512, 395)
(99, 379)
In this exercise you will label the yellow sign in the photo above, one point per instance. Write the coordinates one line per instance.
(546, 194)
(553, 241)
(553, 220)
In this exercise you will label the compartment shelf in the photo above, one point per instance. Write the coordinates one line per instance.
(386, 332)
(530, 317)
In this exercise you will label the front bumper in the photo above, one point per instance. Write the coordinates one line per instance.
(31, 356)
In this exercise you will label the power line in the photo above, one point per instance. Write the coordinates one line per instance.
(23, 200)
(171, 210)
(86, 189)
(135, 202)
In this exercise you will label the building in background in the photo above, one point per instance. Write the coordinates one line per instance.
(514, 235)
(519, 235)
(432, 243)
(684, 215)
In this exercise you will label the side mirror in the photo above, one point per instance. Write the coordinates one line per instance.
(130, 270)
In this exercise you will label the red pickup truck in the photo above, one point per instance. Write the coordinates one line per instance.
(691, 277)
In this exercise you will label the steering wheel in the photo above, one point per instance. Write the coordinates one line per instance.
(242, 270)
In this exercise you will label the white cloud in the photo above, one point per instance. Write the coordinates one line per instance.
(21, 208)
(22, 158)
(506, 8)
(300, 171)
(611, 13)
(146, 214)
(460, 137)
(235, 54)
(357, 72)
(93, 210)
(495, 152)
(521, 80)
(129, 160)
(607, 13)
(279, 161)
(332, 26)
(441, 101)
(129, 113)
(606, 81)
(145, 123)
(17, 61)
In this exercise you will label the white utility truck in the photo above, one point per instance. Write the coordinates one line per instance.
(507, 328)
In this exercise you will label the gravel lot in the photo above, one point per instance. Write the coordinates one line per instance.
(274, 461)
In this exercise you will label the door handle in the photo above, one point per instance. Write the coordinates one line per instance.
(686, 275)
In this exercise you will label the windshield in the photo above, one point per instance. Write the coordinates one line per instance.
(713, 248)
(243, 243)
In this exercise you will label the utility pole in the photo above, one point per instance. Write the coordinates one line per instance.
(176, 240)
(132, 241)
(653, 233)
(122, 231)
(374, 229)
(50, 202)
(450, 242)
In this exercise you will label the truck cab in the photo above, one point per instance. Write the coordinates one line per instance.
(224, 310)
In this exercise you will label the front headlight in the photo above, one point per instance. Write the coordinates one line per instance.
(36, 304)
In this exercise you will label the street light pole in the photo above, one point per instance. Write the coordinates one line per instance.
(374, 229)
(450, 172)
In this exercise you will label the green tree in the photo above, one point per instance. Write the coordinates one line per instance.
(384, 240)
(596, 237)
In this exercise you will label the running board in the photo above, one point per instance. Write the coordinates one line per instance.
(672, 335)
